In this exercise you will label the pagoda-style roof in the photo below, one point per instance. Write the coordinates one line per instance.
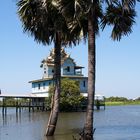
(50, 59)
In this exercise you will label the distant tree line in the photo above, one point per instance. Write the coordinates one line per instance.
(116, 99)
(120, 99)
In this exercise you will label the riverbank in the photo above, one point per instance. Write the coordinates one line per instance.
(117, 103)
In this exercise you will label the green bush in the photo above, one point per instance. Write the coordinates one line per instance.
(70, 98)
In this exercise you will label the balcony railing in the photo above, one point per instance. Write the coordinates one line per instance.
(78, 73)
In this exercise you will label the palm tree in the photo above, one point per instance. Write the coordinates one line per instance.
(42, 20)
(89, 16)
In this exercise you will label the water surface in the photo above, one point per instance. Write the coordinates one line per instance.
(114, 123)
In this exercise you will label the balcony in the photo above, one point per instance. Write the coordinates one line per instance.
(79, 73)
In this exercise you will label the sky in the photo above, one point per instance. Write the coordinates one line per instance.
(117, 66)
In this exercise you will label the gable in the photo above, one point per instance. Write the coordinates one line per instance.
(69, 62)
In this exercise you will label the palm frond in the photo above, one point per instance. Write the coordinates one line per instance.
(41, 19)
(128, 4)
(32, 16)
(121, 19)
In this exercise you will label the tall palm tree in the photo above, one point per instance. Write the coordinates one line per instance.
(42, 20)
(89, 16)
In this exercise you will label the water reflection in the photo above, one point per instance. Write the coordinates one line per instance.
(18, 117)
(4, 118)
(121, 122)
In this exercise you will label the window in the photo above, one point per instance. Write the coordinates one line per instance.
(49, 83)
(84, 83)
(33, 85)
(44, 71)
(68, 69)
(38, 86)
(52, 71)
(44, 85)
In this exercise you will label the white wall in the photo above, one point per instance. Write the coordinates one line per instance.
(44, 87)
(50, 73)
(83, 89)
(68, 63)
(45, 68)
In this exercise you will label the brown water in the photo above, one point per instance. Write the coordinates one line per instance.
(115, 123)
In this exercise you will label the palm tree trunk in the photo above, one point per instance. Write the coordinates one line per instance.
(88, 127)
(57, 76)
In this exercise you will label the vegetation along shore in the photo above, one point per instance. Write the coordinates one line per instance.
(121, 101)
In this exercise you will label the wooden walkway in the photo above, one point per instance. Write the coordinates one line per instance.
(18, 105)
(31, 104)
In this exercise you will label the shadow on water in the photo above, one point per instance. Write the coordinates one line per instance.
(69, 126)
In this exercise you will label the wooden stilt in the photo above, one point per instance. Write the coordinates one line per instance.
(3, 106)
(17, 105)
(29, 105)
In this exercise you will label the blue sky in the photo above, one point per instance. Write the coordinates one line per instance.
(118, 63)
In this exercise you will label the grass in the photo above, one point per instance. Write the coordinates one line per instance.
(122, 103)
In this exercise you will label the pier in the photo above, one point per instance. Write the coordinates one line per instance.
(33, 103)
(20, 102)
(99, 101)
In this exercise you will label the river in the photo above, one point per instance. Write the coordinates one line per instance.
(114, 123)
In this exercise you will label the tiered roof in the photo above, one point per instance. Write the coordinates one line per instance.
(50, 59)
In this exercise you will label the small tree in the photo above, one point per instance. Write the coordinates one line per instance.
(70, 98)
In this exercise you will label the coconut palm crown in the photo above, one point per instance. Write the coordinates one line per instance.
(41, 19)
(119, 14)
